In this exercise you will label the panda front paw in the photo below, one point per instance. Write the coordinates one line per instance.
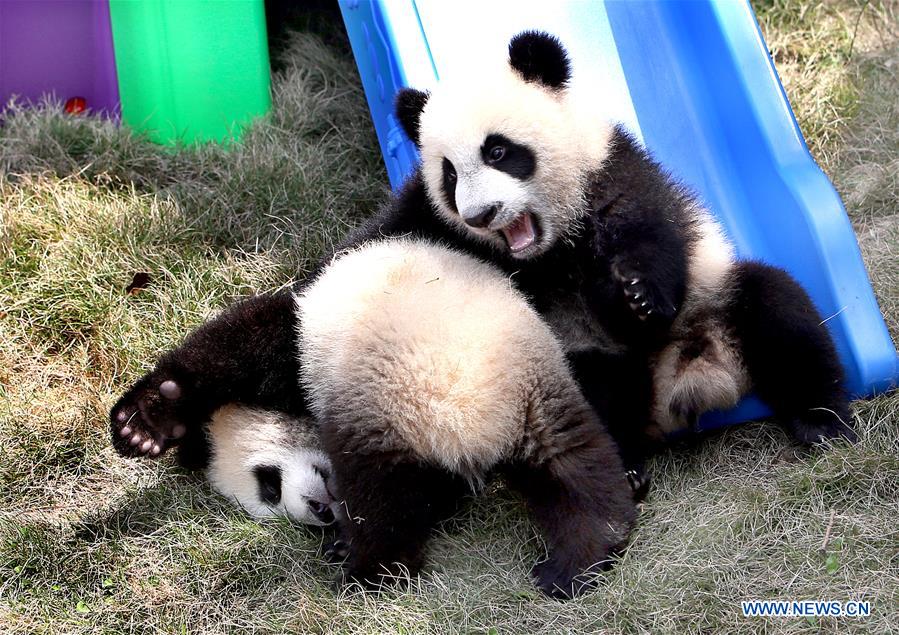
(149, 418)
(644, 298)
(559, 583)
(822, 424)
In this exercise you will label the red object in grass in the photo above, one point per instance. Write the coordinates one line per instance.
(76, 105)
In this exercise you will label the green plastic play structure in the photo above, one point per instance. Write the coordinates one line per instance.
(191, 70)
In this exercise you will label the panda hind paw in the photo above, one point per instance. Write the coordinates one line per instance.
(144, 421)
(554, 581)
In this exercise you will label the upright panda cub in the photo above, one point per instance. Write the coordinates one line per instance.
(633, 274)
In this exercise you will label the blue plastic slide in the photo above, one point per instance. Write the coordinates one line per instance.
(693, 79)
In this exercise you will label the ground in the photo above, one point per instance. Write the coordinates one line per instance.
(93, 543)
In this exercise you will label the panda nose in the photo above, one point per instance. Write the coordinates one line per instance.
(321, 511)
(479, 218)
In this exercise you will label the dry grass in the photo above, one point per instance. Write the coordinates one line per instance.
(90, 543)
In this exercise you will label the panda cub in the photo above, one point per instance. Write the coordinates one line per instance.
(270, 464)
(426, 371)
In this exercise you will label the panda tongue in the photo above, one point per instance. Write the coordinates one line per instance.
(520, 233)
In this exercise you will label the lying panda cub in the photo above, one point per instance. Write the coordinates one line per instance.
(426, 371)
(270, 464)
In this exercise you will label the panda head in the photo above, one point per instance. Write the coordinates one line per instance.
(506, 155)
(270, 464)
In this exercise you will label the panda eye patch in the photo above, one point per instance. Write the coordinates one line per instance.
(449, 184)
(268, 481)
(515, 159)
(449, 171)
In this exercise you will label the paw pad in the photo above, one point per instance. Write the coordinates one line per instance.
(169, 389)
(144, 421)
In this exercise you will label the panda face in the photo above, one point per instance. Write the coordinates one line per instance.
(491, 192)
(506, 155)
(296, 488)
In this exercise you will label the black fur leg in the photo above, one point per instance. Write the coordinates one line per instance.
(583, 505)
(619, 388)
(247, 354)
(789, 354)
(392, 504)
(390, 523)
(816, 426)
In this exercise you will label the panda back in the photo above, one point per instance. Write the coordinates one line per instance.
(430, 348)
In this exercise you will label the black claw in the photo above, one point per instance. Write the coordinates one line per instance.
(337, 551)
(639, 480)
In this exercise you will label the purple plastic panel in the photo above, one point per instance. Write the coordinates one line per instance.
(58, 47)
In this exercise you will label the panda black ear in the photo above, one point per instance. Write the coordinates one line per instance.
(408, 105)
(540, 57)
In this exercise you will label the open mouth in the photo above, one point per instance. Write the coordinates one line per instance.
(521, 233)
